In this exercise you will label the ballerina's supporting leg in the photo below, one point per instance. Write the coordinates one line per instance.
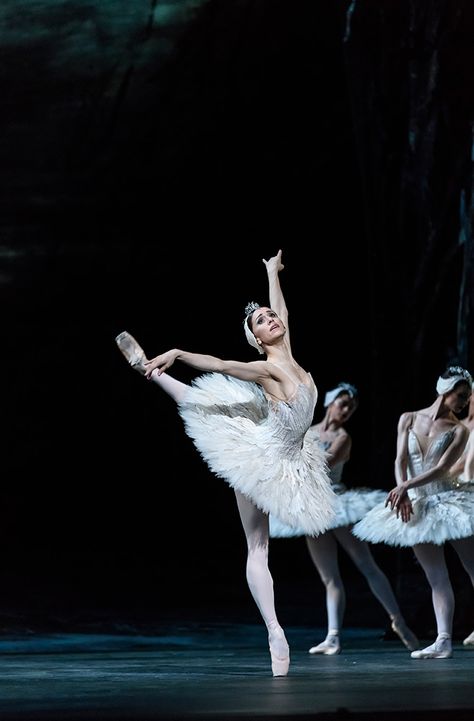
(260, 582)
(361, 555)
(432, 560)
(323, 552)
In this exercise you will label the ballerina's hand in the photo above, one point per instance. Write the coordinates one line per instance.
(160, 363)
(274, 263)
(405, 509)
(399, 500)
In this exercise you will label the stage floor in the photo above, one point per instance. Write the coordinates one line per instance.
(222, 672)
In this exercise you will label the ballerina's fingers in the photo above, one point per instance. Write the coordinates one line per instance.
(153, 365)
(392, 500)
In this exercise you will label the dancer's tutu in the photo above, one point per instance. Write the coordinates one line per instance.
(260, 448)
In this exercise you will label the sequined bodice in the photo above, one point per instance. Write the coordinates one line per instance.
(420, 460)
(290, 420)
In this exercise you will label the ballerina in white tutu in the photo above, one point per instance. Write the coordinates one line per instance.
(331, 434)
(249, 422)
(428, 507)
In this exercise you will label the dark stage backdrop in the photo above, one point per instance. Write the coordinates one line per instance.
(151, 157)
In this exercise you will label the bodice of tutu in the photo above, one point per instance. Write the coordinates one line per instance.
(423, 454)
(288, 421)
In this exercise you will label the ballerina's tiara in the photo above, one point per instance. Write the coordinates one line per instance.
(458, 371)
(250, 307)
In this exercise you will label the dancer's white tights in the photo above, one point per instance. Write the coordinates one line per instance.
(432, 560)
(259, 579)
(323, 550)
(175, 389)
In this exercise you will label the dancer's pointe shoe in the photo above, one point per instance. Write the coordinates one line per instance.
(132, 351)
(441, 648)
(330, 646)
(279, 652)
(469, 640)
(405, 635)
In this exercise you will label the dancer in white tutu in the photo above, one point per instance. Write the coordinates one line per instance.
(428, 507)
(249, 422)
(353, 504)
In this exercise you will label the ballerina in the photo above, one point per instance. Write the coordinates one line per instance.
(428, 508)
(249, 422)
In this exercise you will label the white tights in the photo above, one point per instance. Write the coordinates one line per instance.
(323, 550)
(433, 562)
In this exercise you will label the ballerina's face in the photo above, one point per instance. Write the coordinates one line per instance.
(459, 397)
(343, 408)
(267, 326)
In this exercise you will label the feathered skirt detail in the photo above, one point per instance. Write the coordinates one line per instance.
(259, 448)
(351, 506)
(437, 518)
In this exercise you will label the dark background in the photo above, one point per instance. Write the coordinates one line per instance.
(151, 156)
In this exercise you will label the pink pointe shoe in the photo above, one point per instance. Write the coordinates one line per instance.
(331, 645)
(132, 351)
(279, 652)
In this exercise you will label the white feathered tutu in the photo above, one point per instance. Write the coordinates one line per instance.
(443, 510)
(351, 506)
(437, 518)
(260, 448)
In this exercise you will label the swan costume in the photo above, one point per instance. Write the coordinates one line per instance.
(261, 447)
(443, 510)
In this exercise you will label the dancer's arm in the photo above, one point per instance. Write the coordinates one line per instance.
(253, 371)
(275, 293)
(458, 467)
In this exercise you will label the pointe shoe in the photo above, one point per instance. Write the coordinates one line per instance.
(405, 635)
(132, 351)
(469, 640)
(279, 652)
(330, 646)
(441, 648)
